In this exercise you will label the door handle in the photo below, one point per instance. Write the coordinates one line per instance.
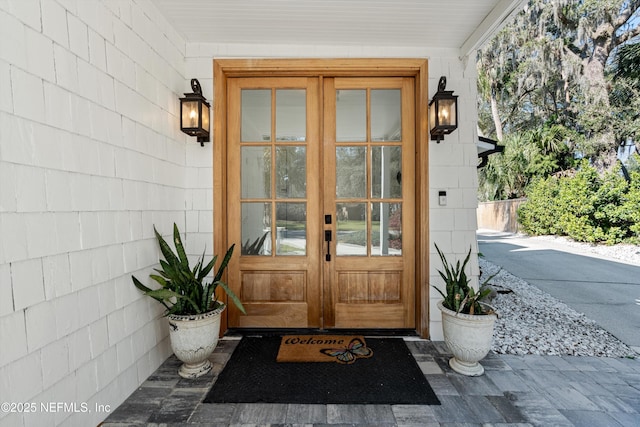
(327, 238)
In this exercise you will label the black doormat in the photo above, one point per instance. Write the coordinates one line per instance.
(390, 376)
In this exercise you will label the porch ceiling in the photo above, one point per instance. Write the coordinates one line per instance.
(457, 24)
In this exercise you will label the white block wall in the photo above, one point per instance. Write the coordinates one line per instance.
(453, 168)
(91, 157)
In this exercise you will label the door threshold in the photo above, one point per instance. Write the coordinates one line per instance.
(237, 332)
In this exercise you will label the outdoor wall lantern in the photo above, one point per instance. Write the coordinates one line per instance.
(194, 113)
(443, 112)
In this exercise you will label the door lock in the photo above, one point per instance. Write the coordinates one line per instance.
(327, 238)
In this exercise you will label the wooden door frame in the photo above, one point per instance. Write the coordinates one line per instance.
(412, 67)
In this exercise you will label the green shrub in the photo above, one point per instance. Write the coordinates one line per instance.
(577, 203)
(610, 214)
(587, 206)
(538, 214)
(630, 209)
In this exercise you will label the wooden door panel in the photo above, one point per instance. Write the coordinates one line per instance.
(261, 286)
(371, 316)
(289, 315)
(277, 280)
(366, 287)
(369, 287)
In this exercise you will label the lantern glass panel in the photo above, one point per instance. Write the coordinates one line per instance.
(432, 114)
(205, 118)
(189, 114)
(447, 112)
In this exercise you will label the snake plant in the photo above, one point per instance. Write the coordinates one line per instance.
(183, 290)
(459, 296)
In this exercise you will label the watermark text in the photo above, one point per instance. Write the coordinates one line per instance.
(53, 407)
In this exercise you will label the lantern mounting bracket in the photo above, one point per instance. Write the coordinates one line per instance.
(195, 87)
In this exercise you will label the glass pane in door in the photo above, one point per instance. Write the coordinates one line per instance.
(386, 120)
(256, 228)
(291, 114)
(351, 172)
(386, 229)
(291, 228)
(256, 115)
(291, 172)
(351, 115)
(256, 172)
(351, 229)
(386, 172)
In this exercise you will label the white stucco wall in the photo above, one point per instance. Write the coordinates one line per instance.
(91, 157)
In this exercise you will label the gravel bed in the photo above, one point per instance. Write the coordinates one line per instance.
(533, 322)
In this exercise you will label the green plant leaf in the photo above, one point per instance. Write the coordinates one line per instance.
(138, 284)
(233, 296)
(205, 271)
(208, 295)
(166, 250)
(177, 241)
(224, 263)
(147, 291)
(197, 268)
(161, 280)
(163, 294)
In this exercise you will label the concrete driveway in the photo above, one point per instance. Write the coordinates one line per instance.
(604, 289)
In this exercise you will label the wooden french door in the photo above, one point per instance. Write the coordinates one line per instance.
(273, 177)
(321, 201)
(369, 188)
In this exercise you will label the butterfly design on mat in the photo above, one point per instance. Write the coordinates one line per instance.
(356, 349)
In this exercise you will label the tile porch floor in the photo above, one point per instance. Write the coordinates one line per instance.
(515, 391)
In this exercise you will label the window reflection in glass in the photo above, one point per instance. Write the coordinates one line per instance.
(351, 172)
(256, 115)
(291, 115)
(385, 115)
(386, 172)
(256, 228)
(351, 115)
(351, 229)
(256, 172)
(291, 228)
(291, 172)
(386, 229)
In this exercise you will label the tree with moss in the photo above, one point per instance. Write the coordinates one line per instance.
(563, 67)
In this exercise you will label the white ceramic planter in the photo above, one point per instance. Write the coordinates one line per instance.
(193, 339)
(469, 337)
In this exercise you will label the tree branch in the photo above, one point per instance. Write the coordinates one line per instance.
(626, 14)
(628, 35)
(564, 19)
(622, 19)
(516, 105)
